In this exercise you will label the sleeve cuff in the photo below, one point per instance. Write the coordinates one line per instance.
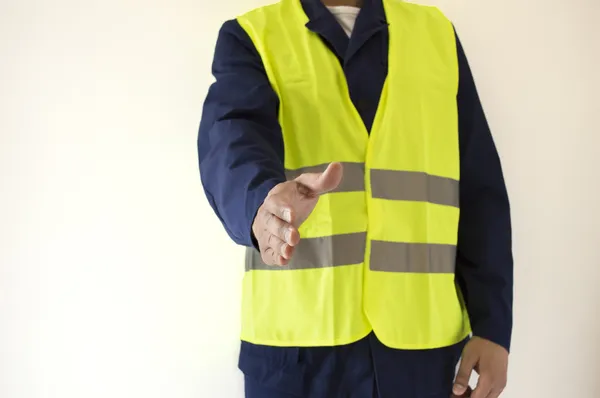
(255, 200)
(500, 335)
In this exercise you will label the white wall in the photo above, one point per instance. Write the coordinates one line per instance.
(116, 280)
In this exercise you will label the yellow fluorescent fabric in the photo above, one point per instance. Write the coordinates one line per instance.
(332, 215)
(403, 287)
(421, 222)
(304, 307)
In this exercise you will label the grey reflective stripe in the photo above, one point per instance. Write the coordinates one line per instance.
(412, 257)
(352, 181)
(329, 251)
(414, 186)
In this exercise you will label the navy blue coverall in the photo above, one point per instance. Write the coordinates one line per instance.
(240, 148)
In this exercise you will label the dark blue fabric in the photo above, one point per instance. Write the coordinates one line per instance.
(364, 369)
(241, 155)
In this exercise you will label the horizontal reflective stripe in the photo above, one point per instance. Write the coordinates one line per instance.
(392, 184)
(412, 257)
(329, 251)
(353, 178)
(414, 186)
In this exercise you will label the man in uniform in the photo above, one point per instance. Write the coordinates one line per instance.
(344, 144)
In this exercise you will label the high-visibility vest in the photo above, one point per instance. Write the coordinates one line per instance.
(379, 253)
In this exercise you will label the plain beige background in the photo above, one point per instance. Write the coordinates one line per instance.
(116, 279)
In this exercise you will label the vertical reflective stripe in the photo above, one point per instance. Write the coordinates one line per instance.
(412, 257)
(353, 178)
(414, 186)
(328, 251)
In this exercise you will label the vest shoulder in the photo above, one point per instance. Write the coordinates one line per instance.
(419, 10)
(260, 11)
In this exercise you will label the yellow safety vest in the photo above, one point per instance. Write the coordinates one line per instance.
(378, 254)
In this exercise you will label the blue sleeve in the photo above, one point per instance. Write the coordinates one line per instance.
(484, 260)
(240, 144)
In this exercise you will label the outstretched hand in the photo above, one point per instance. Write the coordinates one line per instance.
(286, 207)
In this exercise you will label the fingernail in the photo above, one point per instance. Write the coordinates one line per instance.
(287, 215)
(288, 235)
(283, 251)
(458, 389)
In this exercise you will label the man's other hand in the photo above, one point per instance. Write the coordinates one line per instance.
(286, 207)
(490, 361)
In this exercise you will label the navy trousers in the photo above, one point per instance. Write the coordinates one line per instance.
(364, 369)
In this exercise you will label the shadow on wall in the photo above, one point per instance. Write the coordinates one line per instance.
(595, 350)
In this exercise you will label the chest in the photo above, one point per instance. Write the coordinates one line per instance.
(363, 59)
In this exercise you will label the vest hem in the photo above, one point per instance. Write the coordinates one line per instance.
(430, 346)
(309, 343)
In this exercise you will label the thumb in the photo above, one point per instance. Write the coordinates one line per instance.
(327, 181)
(461, 384)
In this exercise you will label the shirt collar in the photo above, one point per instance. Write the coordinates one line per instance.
(315, 9)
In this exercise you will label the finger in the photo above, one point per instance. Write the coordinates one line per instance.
(281, 229)
(466, 394)
(270, 257)
(327, 181)
(282, 210)
(495, 393)
(461, 383)
(280, 247)
(484, 387)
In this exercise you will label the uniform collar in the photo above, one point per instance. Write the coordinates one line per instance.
(316, 10)
(370, 21)
(323, 23)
